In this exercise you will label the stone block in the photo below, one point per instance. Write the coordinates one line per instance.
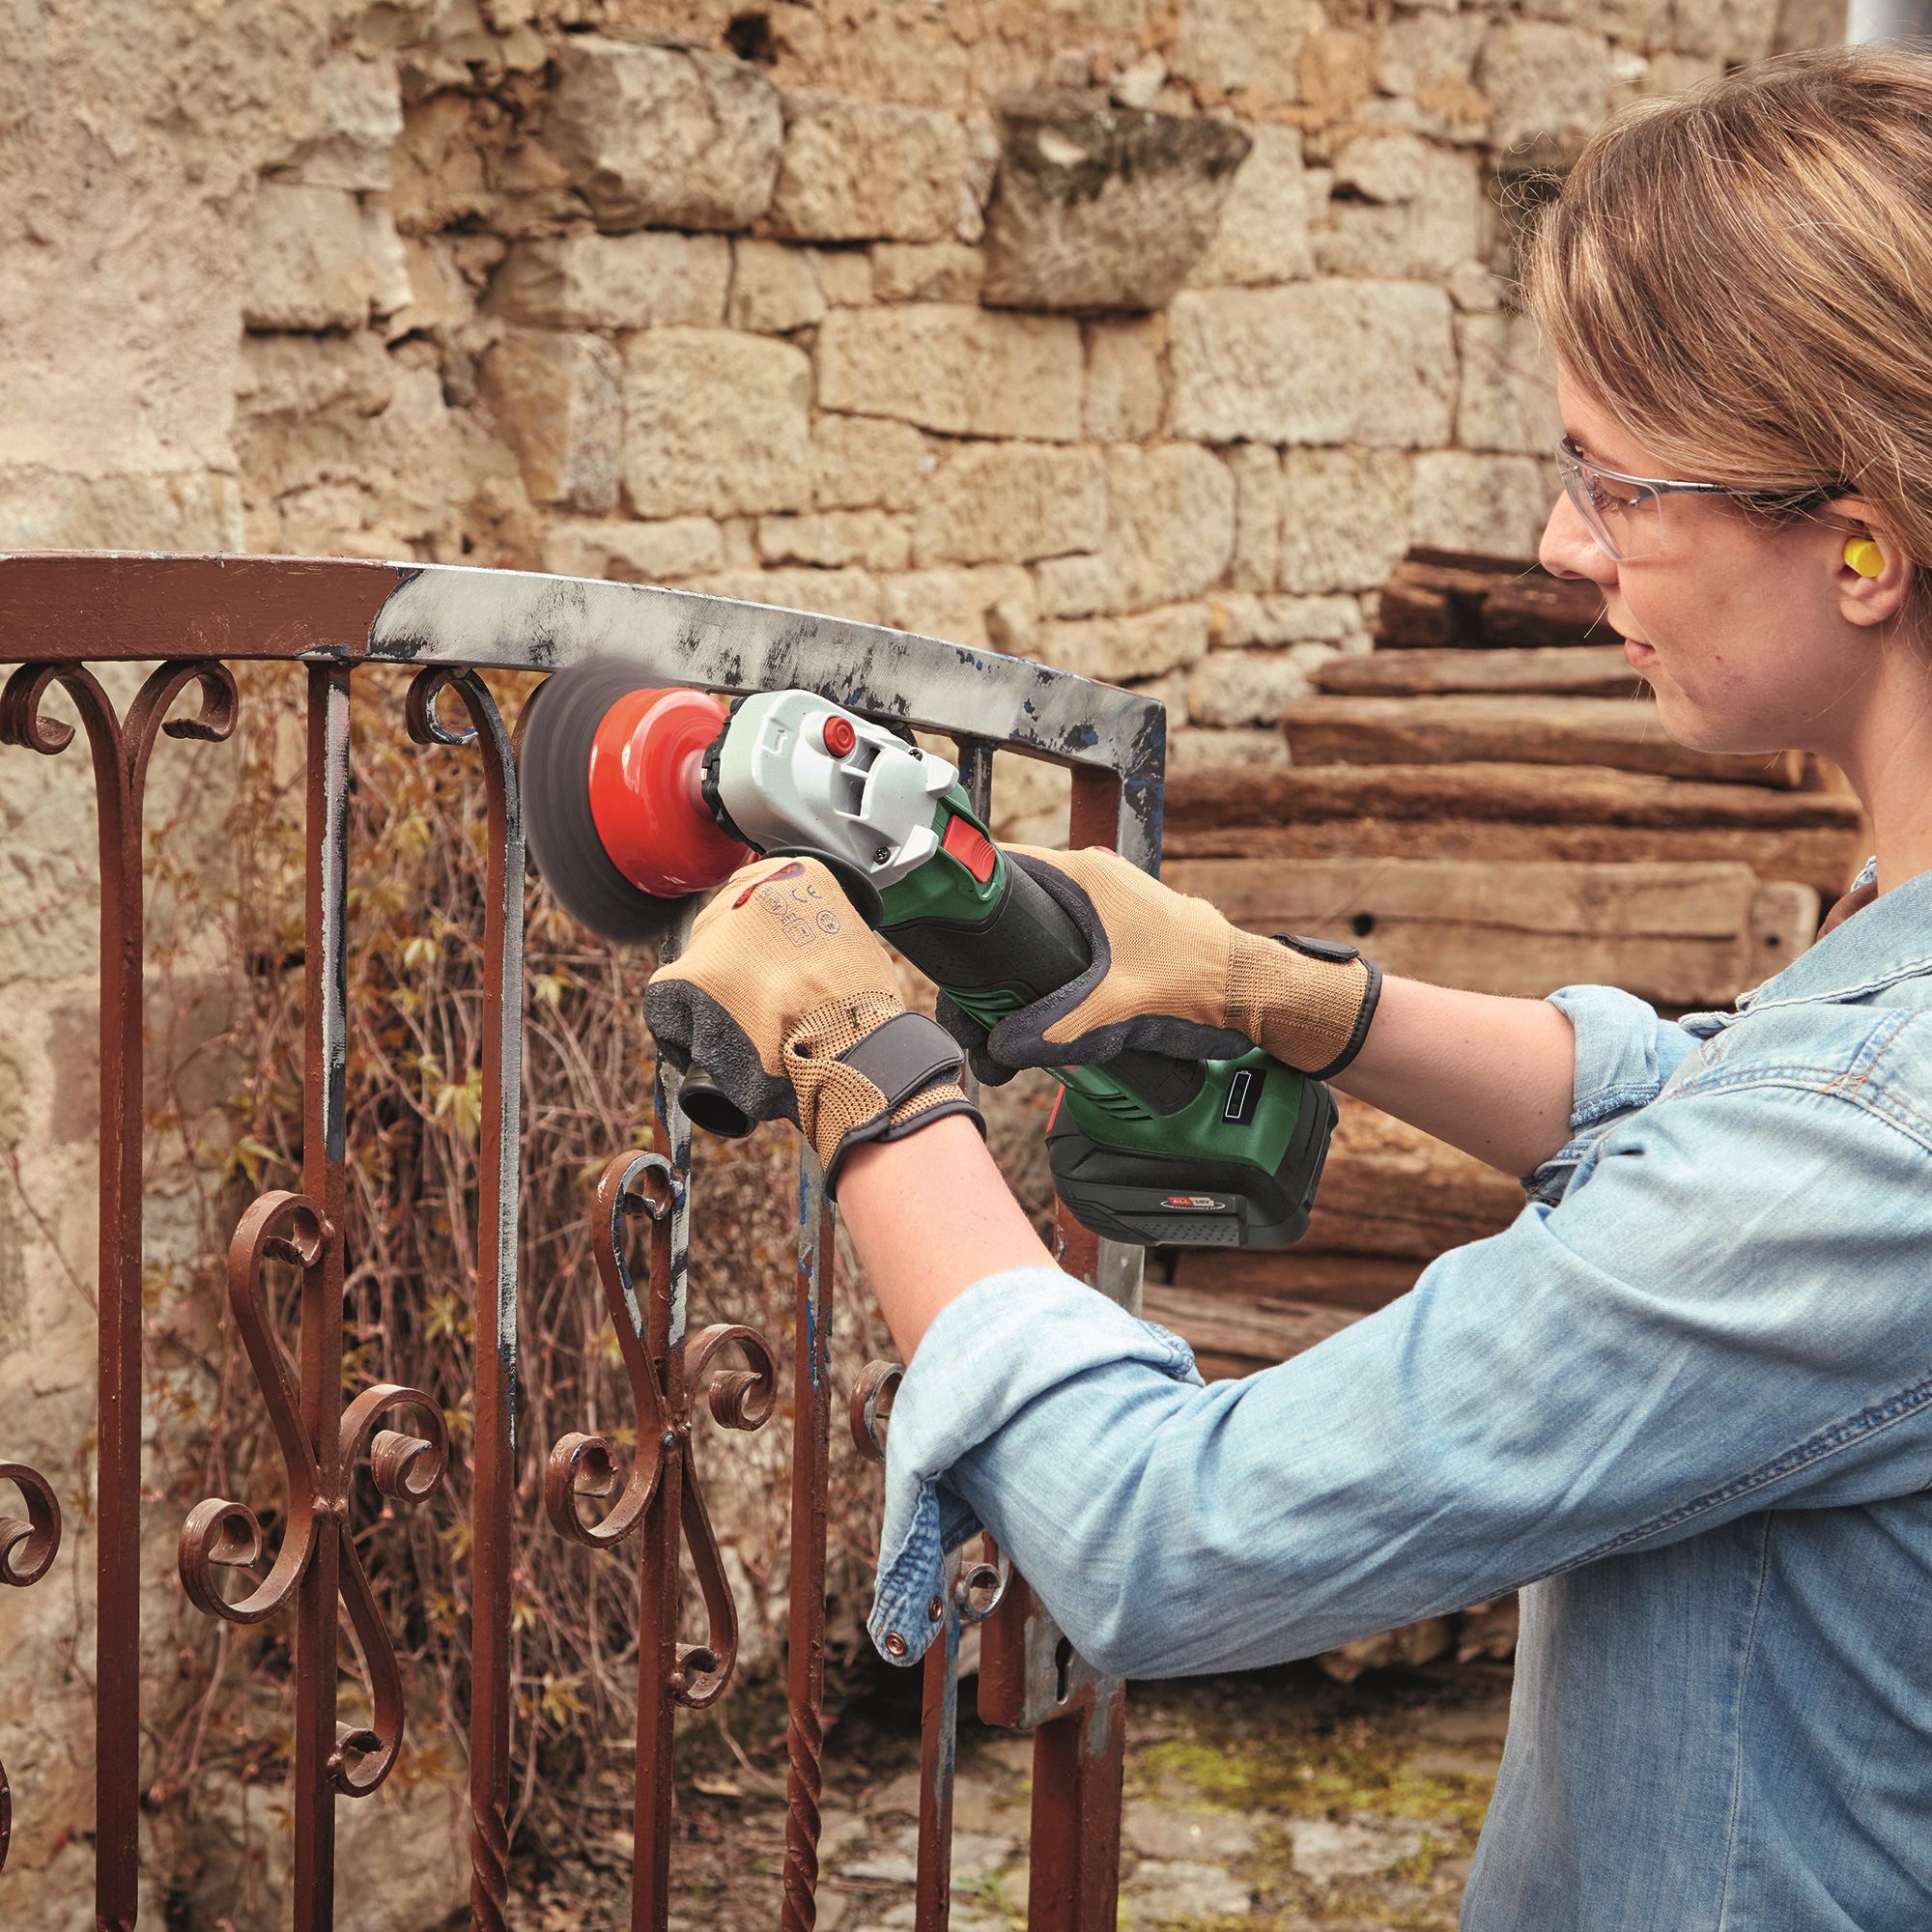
(845, 274)
(389, 290)
(1242, 617)
(1127, 381)
(1103, 208)
(1728, 30)
(650, 280)
(1548, 83)
(1263, 236)
(859, 462)
(1256, 469)
(557, 401)
(359, 107)
(716, 423)
(988, 607)
(1508, 395)
(306, 261)
(51, 509)
(870, 170)
(1421, 55)
(1075, 586)
(665, 137)
(1250, 46)
(300, 376)
(963, 371)
(1115, 649)
(1418, 209)
(1009, 502)
(941, 272)
(855, 594)
(633, 552)
(1251, 686)
(774, 288)
(1345, 518)
(1170, 521)
(877, 539)
(1367, 362)
(1496, 504)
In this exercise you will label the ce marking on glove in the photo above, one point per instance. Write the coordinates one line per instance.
(790, 906)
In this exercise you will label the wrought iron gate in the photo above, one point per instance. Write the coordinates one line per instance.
(58, 613)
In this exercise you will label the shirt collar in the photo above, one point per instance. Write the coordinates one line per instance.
(1881, 943)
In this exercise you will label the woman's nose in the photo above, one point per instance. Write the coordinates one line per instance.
(1569, 549)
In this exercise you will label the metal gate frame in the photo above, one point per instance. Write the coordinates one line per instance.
(59, 611)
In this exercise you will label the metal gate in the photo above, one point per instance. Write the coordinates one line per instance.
(59, 611)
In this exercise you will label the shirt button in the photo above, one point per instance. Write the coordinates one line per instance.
(896, 1644)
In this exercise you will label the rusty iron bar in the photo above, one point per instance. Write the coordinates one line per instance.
(666, 1372)
(1030, 1676)
(119, 754)
(28, 1547)
(811, 1459)
(493, 1524)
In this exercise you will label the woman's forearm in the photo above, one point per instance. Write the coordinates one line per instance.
(930, 1215)
(1493, 1076)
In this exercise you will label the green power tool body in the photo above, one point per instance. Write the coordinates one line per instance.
(1145, 1149)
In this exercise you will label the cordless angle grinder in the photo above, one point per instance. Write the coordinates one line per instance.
(637, 797)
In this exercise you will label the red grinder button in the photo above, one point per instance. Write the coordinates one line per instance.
(839, 736)
(967, 843)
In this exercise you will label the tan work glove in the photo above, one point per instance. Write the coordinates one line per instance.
(787, 1000)
(1170, 975)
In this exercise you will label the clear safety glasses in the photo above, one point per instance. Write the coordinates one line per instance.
(1625, 513)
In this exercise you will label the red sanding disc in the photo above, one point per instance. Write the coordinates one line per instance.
(645, 764)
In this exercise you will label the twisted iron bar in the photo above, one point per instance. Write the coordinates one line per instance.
(27, 1548)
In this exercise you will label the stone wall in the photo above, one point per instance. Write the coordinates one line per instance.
(1141, 336)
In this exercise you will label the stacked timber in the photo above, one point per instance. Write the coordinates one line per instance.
(1487, 801)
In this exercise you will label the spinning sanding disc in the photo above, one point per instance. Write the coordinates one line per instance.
(610, 769)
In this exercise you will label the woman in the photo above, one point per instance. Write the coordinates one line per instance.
(1684, 1401)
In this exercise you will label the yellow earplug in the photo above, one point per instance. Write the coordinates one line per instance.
(1864, 556)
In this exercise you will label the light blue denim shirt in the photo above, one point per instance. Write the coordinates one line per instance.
(1683, 1402)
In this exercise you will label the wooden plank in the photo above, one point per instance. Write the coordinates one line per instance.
(1232, 1334)
(1826, 858)
(1682, 935)
(1519, 730)
(1344, 1280)
(1537, 793)
(1443, 598)
(1591, 672)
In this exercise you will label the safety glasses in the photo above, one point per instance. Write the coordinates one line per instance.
(1625, 513)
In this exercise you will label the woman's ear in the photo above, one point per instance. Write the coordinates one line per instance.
(1870, 566)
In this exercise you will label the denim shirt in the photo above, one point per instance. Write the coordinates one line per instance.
(1683, 1402)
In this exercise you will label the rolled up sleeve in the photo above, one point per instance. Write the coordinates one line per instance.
(1625, 1051)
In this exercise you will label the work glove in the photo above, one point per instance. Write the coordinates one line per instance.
(1170, 975)
(787, 1000)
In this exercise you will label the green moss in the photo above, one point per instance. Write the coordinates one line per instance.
(1313, 1779)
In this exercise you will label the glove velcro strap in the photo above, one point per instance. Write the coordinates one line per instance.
(906, 1055)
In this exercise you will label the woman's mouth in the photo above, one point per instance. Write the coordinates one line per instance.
(1637, 655)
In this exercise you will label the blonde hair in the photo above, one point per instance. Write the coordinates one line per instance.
(1742, 275)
